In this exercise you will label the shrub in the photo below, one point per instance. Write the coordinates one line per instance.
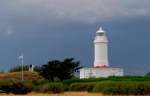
(38, 88)
(110, 78)
(45, 88)
(123, 88)
(90, 87)
(6, 86)
(27, 82)
(35, 82)
(20, 88)
(43, 81)
(82, 86)
(72, 80)
(37, 68)
(25, 68)
(66, 87)
(56, 87)
(57, 80)
(30, 86)
(52, 88)
(109, 87)
(19, 68)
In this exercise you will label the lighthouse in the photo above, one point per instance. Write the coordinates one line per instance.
(101, 54)
(101, 66)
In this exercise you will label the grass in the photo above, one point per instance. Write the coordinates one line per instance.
(67, 94)
(16, 76)
(64, 94)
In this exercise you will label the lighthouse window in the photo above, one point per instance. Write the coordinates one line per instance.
(100, 34)
(103, 34)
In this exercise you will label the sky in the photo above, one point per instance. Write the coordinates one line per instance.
(45, 30)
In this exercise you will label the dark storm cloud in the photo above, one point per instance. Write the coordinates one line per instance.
(33, 16)
(53, 29)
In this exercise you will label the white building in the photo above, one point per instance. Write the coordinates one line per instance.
(101, 66)
(31, 67)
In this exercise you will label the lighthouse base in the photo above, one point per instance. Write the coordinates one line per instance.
(101, 63)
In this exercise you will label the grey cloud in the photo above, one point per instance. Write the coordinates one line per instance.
(85, 10)
(27, 16)
(5, 29)
(9, 31)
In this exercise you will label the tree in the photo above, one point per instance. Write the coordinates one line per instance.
(62, 69)
(19, 68)
(25, 68)
(2, 71)
(37, 68)
(148, 74)
(49, 70)
(67, 69)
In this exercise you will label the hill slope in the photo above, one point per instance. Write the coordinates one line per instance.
(17, 76)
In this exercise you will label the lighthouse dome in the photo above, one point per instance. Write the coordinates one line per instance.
(100, 30)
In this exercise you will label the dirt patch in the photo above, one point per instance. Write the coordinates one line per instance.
(63, 94)
(67, 94)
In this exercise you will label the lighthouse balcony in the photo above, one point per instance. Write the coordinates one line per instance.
(100, 38)
(100, 41)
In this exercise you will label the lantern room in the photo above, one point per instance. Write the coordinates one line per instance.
(100, 32)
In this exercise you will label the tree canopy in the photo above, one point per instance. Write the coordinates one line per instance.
(148, 74)
(25, 68)
(62, 69)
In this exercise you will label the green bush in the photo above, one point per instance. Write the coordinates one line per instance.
(66, 87)
(38, 88)
(6, 86)
(110, 78)
(27, 82)
(82, 86)
(19, 68)
(57, 80)
(72, 80)
(35, 82)
(37, 68)
(25, 68)
(123, 88)
(43, 81)
(20, 88)
(52, 88)
(30, 86)
(45, 88)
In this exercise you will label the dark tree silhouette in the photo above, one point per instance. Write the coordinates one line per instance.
(62, 69)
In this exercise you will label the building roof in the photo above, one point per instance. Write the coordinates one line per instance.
(104, 67)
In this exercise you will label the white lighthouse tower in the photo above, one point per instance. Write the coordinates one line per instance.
(101, 55)
(101, 67)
